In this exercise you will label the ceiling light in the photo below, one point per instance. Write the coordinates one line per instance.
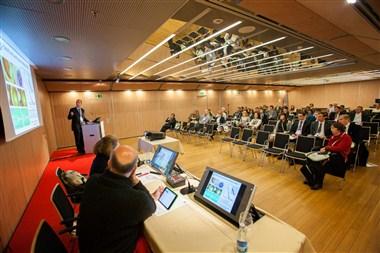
(61, 39)
(224, 57)
(187, 48)
(246, 29)
(218, 21)
(147, 53)
(351, 1)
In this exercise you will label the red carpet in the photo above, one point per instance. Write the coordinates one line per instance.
(40, 207)
(63, 153)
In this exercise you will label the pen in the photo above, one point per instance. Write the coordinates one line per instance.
(142, 174)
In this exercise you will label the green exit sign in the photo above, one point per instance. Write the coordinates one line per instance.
(98, 95)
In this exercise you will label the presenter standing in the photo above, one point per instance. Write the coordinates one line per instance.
(76, 115)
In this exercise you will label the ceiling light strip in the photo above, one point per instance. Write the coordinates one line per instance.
(147, 53)
(277, 66)
(191, 59)
(291, 52)
(187, 48)
(300, 69)
(224, 57)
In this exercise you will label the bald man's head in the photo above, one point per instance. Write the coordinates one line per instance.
(123, 159)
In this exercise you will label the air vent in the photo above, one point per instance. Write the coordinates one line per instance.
(369, 13)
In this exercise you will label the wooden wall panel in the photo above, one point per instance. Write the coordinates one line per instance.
(23, 161)
(349, 94)
(130, 113)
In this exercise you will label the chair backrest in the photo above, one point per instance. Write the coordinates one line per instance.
(305, 144)
(63, 205)
(269, 128)
(281, 141)
(373, 125)
(191, 125)
(247, 134)
(210, 128)
(262, 137)
(365, 132)
(184, 125)
(272, 122)
(235, 131)
(46, 240)
(201, 127)
(320, 142)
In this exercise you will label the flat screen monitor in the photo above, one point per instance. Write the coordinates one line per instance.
(164, 160)
(226, 195)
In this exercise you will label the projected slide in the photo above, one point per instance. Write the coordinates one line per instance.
(222, 191)
(20, 91)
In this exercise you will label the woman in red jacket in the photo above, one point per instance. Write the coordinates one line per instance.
(339, 147)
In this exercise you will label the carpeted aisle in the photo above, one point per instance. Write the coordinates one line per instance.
(40, 206)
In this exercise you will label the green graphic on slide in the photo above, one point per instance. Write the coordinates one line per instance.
(20, 117)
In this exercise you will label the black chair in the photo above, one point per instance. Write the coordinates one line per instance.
(280, 145)
(46, 240)
(304, 145)
(74, 193)
(201, 129)
(374, 130)
(65, 209)
(234, 135)
(209, 131)
(319, 143)
(262, 140)
(272, 122)
(366, 134)
(246, 138)
(269, 128)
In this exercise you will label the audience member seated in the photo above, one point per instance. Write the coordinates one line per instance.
(255, 123)
(221, 119)
(282, 124)
(237, 115)
(339, 145)
(271, 113)
(321, 128)
(301, 126)
(359, 116)
(205, 118)
(169, 123)
(102, 151)
(194, 117)
(354, 131)
(292, 110)
(244, 120)
(114, 206)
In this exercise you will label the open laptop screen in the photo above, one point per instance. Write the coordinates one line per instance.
(164, 160)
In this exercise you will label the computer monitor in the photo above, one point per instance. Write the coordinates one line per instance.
(226, 195)
(164, 160)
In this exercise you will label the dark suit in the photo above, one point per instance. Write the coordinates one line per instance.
(305, 127)
(327, 128)
(355, 132)
(365, 116)
(77, 128)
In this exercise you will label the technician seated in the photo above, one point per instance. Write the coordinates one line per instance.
(114, 206)
(103, 149)
(169, 123)
(340, 146)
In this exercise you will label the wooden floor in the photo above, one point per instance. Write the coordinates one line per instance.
(335, 220)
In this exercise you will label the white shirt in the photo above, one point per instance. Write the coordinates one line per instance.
(321, 134)
(80, 114)
(299, 127)
(255, 123)
(358, 118)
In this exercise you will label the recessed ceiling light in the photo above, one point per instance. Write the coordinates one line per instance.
(65, 58)
(61, 39)
(351, 1)
(68, 68)
(218, 21)
(246, 29)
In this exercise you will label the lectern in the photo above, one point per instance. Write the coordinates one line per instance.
(92, 133)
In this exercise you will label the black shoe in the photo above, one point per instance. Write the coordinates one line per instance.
(306, 182)
(316, 187)
(291, 162)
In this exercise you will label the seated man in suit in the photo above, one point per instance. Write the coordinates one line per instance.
(300, 126)
(169, 123)
(354, 131)
(359, 116)
(321, 128)
(272, 113)
(114, 206)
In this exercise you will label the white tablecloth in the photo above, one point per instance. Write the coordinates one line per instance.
(145, 145)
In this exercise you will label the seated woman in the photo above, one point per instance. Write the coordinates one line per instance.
(220, 120)
(102, 150)
(244, 120)
(340, 146)
(282, 124)
(169, 123)
(256, 121)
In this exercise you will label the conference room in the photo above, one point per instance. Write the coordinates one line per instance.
(189, 126)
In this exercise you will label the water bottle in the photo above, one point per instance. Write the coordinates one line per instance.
(242, 242)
